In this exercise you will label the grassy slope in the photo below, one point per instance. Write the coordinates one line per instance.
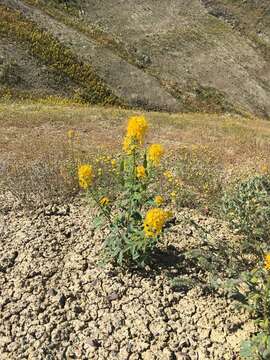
(238, 144)
(54, 54)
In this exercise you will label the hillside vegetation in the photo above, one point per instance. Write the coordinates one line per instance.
(210, 55)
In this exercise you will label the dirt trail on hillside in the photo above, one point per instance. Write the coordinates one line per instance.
(129, 83)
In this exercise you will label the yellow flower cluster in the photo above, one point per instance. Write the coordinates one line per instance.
(267, 262)
(169, 175)
(70, 134)
(265, 169)
(129, 145)
(104, 201)
(159, 200)
(141, 172)
(136, 130)
(155, 152)
(173, 196)
(137, 127)
(85, 174)
(154, 221)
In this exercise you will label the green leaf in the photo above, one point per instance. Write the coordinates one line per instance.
(247, 350)
(98, 222)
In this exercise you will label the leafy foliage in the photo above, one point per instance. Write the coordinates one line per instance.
(253, 291)
(132, 211)
(247, 208)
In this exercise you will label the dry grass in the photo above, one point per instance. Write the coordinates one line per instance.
(226, 146)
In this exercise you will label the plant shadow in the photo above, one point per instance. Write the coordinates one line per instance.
(181, 272)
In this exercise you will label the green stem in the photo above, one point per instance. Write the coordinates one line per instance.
(105, 213)
(267, 304)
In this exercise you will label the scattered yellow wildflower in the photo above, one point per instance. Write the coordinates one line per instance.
(265, 169)
(267, 261)
(113, 162)
(155, 152)
(99, 171)
(71, 134)
(159, 200)
(168, 174)
(154, 221)
(85, 174)
(173, 195)
(140, 171)
(104, 201)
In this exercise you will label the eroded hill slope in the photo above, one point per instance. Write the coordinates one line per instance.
(176, 55)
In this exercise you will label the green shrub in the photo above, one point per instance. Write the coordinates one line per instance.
(127, 196)
(252, 289)
(247, 208)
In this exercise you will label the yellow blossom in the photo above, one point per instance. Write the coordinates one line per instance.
(264, 168)
(159, 200)
(113, 162)
(104, 201)
(129, 145)
(173, 196)
(137, 127)
(85, 174)
(155, 152)
(99, 171)
(168, 174)
(140, 171)
(267, 261)
(70, 134)
(154, 221)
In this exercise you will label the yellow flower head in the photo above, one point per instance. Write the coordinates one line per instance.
(159, 200)
(265, 169)
(85, 175)
(140, 171)
(154, 221)
(267, 262)
(104, 201)
(155, 152)
(137, 127)
(99, 171)
(71, 134)
(113, 162)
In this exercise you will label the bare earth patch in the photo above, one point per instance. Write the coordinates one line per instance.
(58, 302)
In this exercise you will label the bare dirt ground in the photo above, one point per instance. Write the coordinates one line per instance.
(57, 302)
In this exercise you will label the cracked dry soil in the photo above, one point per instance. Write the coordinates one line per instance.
(56, 302)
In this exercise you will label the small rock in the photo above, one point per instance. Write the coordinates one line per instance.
(218, 337)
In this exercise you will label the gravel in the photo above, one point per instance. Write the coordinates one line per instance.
(58, 302)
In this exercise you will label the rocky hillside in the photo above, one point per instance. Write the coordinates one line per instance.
(178, 55)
